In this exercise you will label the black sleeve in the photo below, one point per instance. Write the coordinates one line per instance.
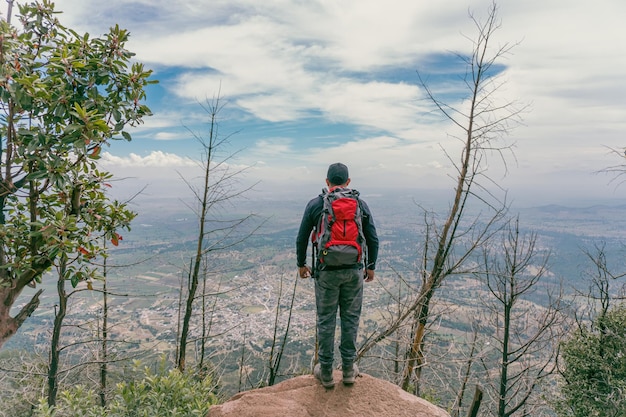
(371, 237)
(309, 219)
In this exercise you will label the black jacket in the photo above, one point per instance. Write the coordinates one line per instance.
(311, 218)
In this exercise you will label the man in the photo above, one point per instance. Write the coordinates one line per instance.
(337, 287)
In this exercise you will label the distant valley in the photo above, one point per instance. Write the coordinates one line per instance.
(244, 282)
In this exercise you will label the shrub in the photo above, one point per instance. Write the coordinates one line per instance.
(160, 393)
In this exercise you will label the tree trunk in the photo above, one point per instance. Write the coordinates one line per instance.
(466, 376)
(191, 294)
(9, 325)
(53, 368)
(200, 251)
(504, 366)
(478, 397)
(104, 353)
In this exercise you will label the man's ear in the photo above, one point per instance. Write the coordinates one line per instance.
(348, 182)
(327, 182)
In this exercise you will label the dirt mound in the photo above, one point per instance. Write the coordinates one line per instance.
(304, 396)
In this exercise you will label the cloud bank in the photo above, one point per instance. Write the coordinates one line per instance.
(309, 83)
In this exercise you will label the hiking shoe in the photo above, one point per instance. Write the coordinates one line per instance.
(349, 374)
(325, 376)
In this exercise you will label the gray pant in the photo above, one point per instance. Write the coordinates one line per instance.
(341, 289)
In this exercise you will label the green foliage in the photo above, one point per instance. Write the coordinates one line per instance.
(63, 97)
(78, 401)
(161, 393)
(595, 368)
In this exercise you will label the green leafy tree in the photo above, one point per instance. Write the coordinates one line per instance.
(73, 265)
(63, 97)
(594, 368)
(592, 363)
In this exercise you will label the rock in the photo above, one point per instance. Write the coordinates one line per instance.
(305, 396)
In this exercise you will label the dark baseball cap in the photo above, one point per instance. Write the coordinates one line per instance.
(337, 174)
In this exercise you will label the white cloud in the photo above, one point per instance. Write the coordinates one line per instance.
(285, 60)
(281, 146)
(166, 136)
(153, 159)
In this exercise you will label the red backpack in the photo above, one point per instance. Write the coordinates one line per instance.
(339, 239)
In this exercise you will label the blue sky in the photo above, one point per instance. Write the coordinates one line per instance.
(313, 82)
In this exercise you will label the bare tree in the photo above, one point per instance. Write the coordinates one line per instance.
(617, 170)
(601, 294)
(208, 313)
(216, 232)
(525, 332)
(278, 346)
(23, 380)
(467, 372)
(484, 122)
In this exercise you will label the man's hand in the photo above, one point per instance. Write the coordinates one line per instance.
(369, 275)
(304, 271)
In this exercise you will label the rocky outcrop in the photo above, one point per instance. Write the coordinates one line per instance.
(304, 396)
